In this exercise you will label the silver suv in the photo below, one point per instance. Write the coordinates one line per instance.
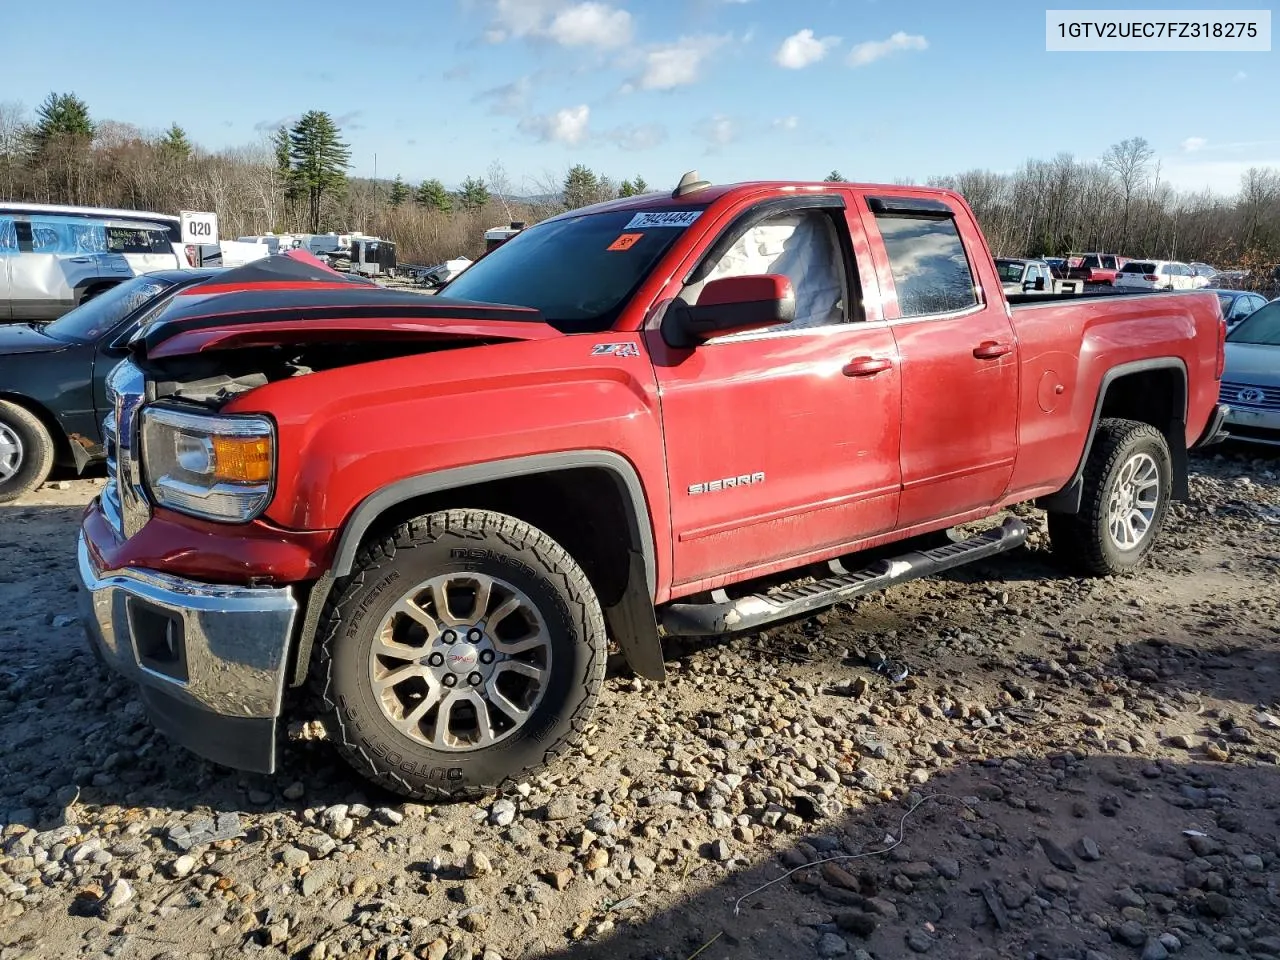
(54, 258)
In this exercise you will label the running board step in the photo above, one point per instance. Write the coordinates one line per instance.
(756, 610)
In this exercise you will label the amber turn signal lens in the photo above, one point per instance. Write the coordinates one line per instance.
(242, 459)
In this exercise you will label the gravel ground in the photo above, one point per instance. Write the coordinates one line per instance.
(1072, 769)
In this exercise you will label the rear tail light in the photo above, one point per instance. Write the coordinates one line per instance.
(1150, 276)
(191, 254)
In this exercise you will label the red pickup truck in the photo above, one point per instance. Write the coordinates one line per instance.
(684, 413)
(1095, 267)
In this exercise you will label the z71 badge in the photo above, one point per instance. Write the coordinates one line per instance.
(726, 483)
(615, 350)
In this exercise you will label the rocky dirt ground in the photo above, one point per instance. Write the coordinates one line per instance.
(1071, 769)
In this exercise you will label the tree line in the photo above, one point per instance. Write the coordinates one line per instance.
(1121, 204)
(296, 179)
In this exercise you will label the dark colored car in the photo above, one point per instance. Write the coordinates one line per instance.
(52, 377)
(1237, 304)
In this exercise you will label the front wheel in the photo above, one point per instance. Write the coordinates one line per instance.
(467, 649)
(26, 451)
(1127, 486)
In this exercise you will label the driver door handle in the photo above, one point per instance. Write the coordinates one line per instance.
(866, 366)
(992, 350)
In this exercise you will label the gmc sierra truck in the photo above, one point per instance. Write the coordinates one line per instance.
(687, 413)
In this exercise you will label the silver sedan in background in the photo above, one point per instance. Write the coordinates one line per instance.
(1251, 381)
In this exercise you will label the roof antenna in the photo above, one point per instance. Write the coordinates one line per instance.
(689, 183)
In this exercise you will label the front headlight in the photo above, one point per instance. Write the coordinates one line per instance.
(215, 467)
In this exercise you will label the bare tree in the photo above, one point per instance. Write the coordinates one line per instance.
(1128, 160)
(499, 186)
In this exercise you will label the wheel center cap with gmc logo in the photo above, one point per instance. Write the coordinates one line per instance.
(462, 658)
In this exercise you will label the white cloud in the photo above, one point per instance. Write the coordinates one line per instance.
(518, 18)
(787, 123)
(564, 126)
(643, 136)
(677, 64)
(873, 50)
(591, 25)
(718, 131)
(1240, 76)
(509, 98)
(803, 49)
(1192, 144)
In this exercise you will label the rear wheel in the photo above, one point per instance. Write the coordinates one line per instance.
(1127, 486)
(26, 451)
(467, 649)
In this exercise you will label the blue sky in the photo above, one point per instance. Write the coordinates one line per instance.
(740, 89)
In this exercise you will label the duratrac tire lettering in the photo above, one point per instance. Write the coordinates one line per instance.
(388, 566)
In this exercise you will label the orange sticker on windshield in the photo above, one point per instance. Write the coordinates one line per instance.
(625, 241)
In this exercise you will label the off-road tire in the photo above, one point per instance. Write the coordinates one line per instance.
(1081, 541)
(37, 451)
(385, 569)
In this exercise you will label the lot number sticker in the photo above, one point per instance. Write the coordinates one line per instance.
(625, 241)
(663, 218)
(199, 227)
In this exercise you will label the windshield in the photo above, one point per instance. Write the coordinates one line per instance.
(89, 321)
(1261, 327)
(1010, 270)
(579, 271)
(1225, 300)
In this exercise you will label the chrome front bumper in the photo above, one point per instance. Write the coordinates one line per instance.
(210, 659)
(1255, 425)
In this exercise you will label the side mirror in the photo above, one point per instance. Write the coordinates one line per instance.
(730, 305)
(1036, 284)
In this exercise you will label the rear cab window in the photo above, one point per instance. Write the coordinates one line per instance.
(930, 267)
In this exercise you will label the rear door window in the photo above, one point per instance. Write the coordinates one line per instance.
(930, 268)
(8, 236)
(69, 236)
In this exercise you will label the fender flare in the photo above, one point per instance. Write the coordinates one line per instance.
(632, 621)
(1068, 499)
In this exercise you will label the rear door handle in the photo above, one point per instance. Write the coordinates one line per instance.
(866, 366)
(992, 350)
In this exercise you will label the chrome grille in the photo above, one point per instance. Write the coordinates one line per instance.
(1250, 395)
(123, 500)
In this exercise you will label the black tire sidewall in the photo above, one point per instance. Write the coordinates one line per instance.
(1146, 441)
(416, 766)
(37, 453)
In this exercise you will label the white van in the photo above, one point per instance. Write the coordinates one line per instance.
(54, 258)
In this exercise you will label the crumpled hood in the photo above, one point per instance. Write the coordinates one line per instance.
(18, 338)
(319, 313)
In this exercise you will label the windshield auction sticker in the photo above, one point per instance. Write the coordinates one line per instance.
(663, 218)
(625, 241)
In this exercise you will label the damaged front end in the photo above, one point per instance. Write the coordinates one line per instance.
(187, 587)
